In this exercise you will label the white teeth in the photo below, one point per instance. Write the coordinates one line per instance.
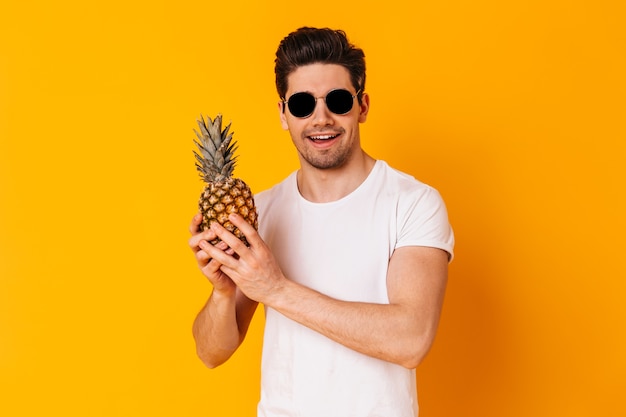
(324, 137)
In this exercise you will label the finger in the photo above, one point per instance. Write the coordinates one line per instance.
(202, 258)
(194, 241)
(246, 228)
(224, 257)
(211, 268)
(233, 242)
(223, 246)
(194, 227)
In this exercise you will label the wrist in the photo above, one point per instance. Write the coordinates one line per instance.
(223, 295)
(281, 294)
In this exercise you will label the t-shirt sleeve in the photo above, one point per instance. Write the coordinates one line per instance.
(423, 221)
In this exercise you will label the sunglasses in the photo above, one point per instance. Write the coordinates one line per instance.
(337, 101)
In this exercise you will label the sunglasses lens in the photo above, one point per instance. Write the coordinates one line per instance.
(339, 101)
(301, 104)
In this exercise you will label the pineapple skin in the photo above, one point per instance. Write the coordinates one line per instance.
(219, 199)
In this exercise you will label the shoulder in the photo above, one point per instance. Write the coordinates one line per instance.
(278, 192)
(403, 186)
(421, 213)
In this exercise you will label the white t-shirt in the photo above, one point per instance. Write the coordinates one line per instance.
(342, 249)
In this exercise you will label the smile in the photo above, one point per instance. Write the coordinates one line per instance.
(322, 137)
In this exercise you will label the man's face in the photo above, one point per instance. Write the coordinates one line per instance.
(324, 140)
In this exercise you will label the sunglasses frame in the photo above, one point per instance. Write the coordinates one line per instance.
(286, 102)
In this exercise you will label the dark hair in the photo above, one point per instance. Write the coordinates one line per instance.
(309, 45)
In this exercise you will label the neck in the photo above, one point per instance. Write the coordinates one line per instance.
(327, 185)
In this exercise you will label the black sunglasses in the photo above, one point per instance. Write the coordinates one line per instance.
(303, 104)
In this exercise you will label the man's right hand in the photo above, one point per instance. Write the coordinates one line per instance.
(210, 267)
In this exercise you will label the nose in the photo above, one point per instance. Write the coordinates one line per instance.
(321, 115)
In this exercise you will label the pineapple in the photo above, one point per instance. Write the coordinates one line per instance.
(222, 194)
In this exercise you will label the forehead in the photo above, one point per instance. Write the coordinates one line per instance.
(318, 78)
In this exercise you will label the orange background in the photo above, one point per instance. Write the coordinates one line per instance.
(515, 111)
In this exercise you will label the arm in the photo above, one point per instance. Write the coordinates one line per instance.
(221, 325)
(400, 332)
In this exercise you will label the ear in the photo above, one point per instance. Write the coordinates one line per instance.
(281, 114)
(364, 107)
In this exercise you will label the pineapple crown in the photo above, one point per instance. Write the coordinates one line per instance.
(216, 160)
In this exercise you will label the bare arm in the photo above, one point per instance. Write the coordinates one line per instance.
(221, 325)
(400, 332)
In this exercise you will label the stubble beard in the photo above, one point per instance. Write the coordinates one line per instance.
(327, 159)
(334, 157)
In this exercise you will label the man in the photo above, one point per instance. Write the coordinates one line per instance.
(350, 261)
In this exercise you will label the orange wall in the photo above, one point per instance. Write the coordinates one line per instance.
(515, 112)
